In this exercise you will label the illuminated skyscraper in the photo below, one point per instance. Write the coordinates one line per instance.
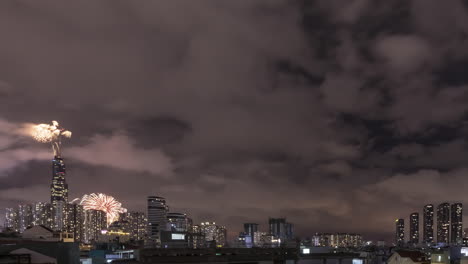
(414, 228)
(157, 219)
(400, 232)
(428, 223)
(443, 223)
(59, 186)
(94, 222)
(456, 223)
(280, 229)
(58, 193)
(214, 233)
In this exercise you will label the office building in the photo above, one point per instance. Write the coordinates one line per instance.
(281, 229)
(428, 224)
(214, 234)
(157, 219)
(400, 231)
(178, 222)
(456, 224)
(443, 223)
(414, 228)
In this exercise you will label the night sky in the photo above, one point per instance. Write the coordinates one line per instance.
(339, 115)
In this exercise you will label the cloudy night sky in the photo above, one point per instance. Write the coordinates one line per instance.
(339, 115)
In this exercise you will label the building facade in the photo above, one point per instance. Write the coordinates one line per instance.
(400, 231)
(94, 222)
(443, 223)
(157, 219)
(428, 224)
(456, 224)
(414, 228)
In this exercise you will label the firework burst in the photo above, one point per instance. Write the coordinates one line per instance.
(103, 202)
(46, 133)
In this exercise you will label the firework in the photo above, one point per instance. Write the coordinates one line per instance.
(46, 133)
(103, 202)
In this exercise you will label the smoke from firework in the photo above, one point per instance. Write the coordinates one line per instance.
(46, 133)
(103, 202)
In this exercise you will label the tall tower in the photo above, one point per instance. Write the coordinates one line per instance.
(59, 186)
(414, 228)
(400, 231)
(157, 219)
(278, 227)
(456, 223)
(443, 223)
(58, 193)
(428, 224)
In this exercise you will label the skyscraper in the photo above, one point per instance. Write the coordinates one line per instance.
(414, 228)
(25, 217)
(59, 186)
(443, 223)
(58, 193)
(428, 222)
(157, 219)
(11, 219)
(400, 231)
(456, 223)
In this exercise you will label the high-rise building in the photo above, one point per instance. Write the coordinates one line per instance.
(74, 221)
(157, 219)
(94, 222)
(25, 217)
(428, 223)
(178, 222)
(59, 186)
(443, 223)
(12, 220)
(58, 193)
(289, 231)
(414, 228)
(400, 231)
(137, 225)
(456, 223)
(250, 229)
(42, 214)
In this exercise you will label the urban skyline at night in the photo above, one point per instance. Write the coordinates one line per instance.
(339, 116)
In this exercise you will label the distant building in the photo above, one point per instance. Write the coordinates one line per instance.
(414, 228)
(214, 233)
(42, 214)
(178, 222)
(12, 220)
(58, 193)
(74, 221)
(249, 230)
(343, 240)
(281, 229)
(456, 224)
(157, 219)
(95, 221)
(428, 223)
(443, 223)
(400, 231)
(25, 217)
(137, 225)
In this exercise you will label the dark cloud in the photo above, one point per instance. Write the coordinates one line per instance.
(240, 110)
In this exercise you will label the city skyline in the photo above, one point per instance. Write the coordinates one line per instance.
(340, 116)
